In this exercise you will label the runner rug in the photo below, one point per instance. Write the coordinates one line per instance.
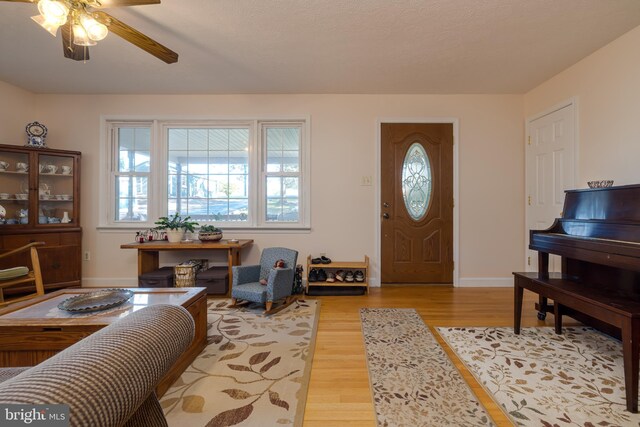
(254, 371)
(413, 381)
(544, 379)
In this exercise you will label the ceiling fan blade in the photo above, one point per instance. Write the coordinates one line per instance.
(71, 50)
(136, 37)
(116, 3)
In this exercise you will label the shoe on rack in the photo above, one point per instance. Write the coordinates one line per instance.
(359, 276)
(316, 261)
(313, 275)
(322, 276)
(348, 277)
(331, 277)
(325, 260)
(340, 276)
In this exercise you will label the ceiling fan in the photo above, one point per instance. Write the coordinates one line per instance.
(81, 25)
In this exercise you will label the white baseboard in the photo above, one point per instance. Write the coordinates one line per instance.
(101, 282)
(488, 282)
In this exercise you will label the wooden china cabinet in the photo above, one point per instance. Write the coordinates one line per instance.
(40, 201)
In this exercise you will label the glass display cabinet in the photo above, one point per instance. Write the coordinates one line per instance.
(40, 201)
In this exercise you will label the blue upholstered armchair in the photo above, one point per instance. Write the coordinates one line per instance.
(246, 284)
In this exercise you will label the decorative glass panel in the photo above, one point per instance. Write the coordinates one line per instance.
(416, 181)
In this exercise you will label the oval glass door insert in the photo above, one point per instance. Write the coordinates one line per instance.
(416, 181)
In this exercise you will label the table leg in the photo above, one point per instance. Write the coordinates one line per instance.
(148, 261)
(630, 351)
(517, 306)
(233, 258)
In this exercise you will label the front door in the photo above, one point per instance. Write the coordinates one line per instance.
(417, 202)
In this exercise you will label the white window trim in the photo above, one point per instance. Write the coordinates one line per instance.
(157, 203)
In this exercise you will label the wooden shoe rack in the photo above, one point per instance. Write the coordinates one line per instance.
(341, 265)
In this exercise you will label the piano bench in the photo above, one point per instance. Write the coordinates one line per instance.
(615, 310)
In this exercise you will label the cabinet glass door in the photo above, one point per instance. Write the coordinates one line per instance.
(55, 189)
(14, 187)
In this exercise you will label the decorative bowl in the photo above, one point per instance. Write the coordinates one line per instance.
(210, 237)
(600, 184)
(95, 301)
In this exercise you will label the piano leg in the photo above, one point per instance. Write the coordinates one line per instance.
(517, 305)
(631, 353)
(543, 273)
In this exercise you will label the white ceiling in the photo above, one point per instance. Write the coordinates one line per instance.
(321, 46)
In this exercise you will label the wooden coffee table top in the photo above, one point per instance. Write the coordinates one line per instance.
(44, 311)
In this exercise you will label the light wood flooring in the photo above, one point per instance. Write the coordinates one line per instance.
(339, 392)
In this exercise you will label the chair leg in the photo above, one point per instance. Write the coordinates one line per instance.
(234, 302)
(268, 306)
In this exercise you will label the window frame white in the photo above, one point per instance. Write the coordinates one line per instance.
(158, 176)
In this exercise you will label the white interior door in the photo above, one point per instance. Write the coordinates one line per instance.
(550, 169)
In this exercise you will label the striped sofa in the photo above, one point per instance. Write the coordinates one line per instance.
(108, 378)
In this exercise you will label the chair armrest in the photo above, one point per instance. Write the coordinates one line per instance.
(280, 283)
(107, 376)
(245, 274)
(21, 249)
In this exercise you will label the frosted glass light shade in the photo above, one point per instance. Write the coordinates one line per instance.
(80, 36)
(94, 29)
(53, 11)
(52, 27)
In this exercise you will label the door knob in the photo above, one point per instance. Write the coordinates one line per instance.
(385, 215)
(385, 204)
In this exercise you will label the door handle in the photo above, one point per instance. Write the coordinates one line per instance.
(385, 215)
(385, 204)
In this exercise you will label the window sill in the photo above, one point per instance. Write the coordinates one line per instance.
(122, 229)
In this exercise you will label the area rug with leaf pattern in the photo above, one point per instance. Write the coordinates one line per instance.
(413, 381)
(543, 379)
(254, 370)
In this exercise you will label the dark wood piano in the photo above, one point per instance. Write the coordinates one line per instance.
(598, 238)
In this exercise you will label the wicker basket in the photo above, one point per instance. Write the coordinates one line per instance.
(185, 273)
(210, 237)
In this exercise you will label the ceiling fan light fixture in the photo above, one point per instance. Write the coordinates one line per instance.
(95, 30)
(80, 36)
(51, 27)
(53, 11)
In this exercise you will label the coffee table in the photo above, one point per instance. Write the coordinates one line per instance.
(34, 330)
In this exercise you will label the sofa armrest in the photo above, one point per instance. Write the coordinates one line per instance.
(107, 376)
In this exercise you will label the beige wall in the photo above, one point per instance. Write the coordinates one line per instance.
(16, 110)
(607, 87)
(343, 140)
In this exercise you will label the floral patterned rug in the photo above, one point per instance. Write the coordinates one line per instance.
(413, 381)
(254, 371)
(544, 379)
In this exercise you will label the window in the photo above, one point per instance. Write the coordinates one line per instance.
(246, 174)
(131, 174)
(282, 172)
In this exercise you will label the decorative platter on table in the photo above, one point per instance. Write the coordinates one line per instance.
(95, 301)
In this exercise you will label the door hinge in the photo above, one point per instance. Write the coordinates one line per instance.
(528, 260)
(529, 140)
(529, 200)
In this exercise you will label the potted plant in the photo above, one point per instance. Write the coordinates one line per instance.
(175, 226)
(210, 233)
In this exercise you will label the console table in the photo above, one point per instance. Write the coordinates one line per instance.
(149, 252)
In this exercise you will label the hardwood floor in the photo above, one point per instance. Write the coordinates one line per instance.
(339, 389)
